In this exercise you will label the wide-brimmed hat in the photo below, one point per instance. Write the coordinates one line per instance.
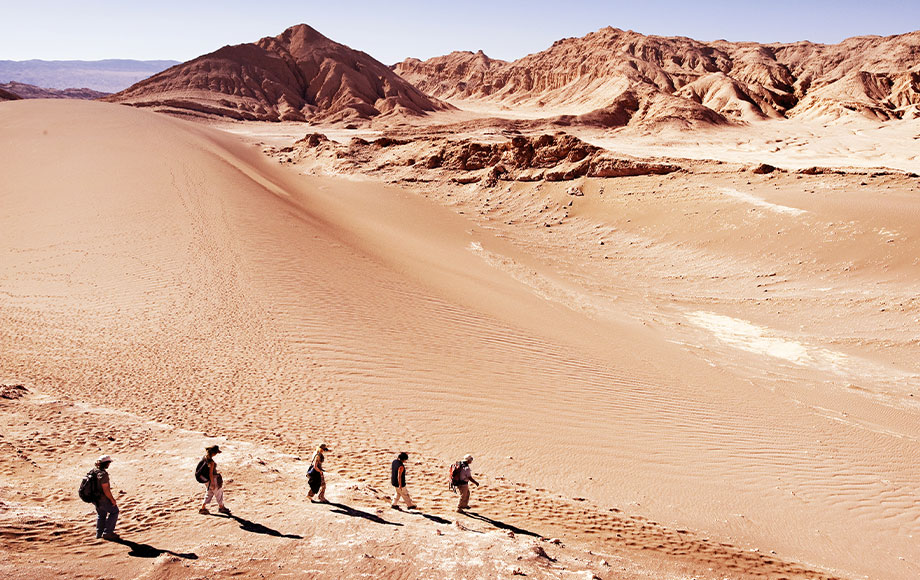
(104, 459)
(213, 449)
(324, 447)
(468, 458)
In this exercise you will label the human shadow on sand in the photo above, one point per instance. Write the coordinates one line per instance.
(432, 517)
(257, 528)
(148, 551)
(499, 524)
(341, 508)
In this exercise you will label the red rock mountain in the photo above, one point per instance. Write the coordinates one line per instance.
(299, 75)
(27, 91)
(8, 96)
(613, 78)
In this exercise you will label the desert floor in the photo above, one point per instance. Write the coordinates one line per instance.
(708, 374)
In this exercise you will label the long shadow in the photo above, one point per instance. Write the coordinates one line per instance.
(350, 511)
(148, 551)
(432, 517)
(500, 524)
(257, 528)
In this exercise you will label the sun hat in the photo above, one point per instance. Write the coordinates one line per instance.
(104, 459)
(468, 458)
(324, 447)
(213, 449)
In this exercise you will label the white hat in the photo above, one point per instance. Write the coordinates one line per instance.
(468, 458)
(104, 459)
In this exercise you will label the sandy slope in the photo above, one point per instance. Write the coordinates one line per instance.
(792, 144)
(167, 270)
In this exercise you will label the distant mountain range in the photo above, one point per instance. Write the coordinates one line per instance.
(614, 78)
(609, 79)
(107, 76)
(25, 91)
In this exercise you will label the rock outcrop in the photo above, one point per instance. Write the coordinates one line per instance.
(297, 76)
(558, 157)
(8, 96)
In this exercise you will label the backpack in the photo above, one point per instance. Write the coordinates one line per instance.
(202, 471)
(454, 473)
(90, 490)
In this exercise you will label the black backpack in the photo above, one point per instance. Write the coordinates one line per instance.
(203, 472)
(90, 489)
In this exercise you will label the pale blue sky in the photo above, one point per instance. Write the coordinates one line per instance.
(391, 31)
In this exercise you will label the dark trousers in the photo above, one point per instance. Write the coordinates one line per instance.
(106, 516)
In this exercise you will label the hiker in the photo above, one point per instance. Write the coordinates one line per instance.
(106, 506)
(214, 481)
(398, 480)
(317, 475)
(461, 476)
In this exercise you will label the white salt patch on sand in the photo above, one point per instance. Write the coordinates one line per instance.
(752, 338)
(756, 339)
(753, 200)
(749, 337)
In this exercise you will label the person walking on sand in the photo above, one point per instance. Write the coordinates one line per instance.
(398, 480)
(214, 481)
(317, 475)
(461, 476)
(106, 506)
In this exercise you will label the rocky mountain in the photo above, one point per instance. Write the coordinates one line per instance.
(106, 76)
(8, 96)
(27, 91)
(613, 78)
(299, 75)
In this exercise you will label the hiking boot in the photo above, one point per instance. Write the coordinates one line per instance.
(204, 511)
(395, 507)
(112, 536)
(223, 510)
(411, 507)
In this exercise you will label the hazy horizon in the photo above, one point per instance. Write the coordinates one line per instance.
(104, 30)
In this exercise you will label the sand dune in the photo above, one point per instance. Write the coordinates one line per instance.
(686, 397)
